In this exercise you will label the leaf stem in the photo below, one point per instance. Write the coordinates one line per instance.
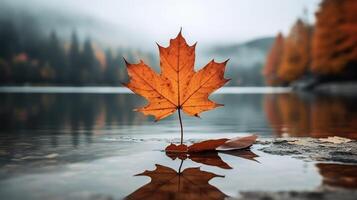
(179, 114)
(179, 170)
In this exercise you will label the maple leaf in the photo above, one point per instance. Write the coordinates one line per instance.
(178, 86)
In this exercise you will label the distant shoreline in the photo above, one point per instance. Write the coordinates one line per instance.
(123, 90)
(333, 88)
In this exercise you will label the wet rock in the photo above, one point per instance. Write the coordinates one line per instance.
(311, 195)
(313, 149)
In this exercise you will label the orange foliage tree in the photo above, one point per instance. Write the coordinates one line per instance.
(318, 117)
(273, 61)
(334, 45)
(296, 57)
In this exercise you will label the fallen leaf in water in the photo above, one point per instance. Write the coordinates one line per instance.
(335, 140)
(212, 158)
(167, 183)
(178, 86)
(222, 144)
(237, 143)
(176, 148)
(207, 145)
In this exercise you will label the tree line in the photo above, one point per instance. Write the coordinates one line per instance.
(325, 51)
(28, 56)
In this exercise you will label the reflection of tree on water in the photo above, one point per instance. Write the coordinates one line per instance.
(312, 115)
(38, 125)
(82, 116)
(338, 175)
(54, 114)
(190, 183)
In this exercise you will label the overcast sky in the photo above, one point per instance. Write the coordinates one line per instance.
(206, 21)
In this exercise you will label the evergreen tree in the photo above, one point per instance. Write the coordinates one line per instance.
(112, 70)
(8, 40)
(90, 71)
(56, 58)
(74, 61)
(8, 48)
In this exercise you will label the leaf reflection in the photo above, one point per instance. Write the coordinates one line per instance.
(167, 183)
(191, 183)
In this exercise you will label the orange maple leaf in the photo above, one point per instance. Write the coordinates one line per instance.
(178, 86)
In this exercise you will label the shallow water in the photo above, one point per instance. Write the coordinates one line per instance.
(89, 145)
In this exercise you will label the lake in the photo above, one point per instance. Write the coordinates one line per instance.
(88, 143)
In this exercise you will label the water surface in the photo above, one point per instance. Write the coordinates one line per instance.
(70, 145)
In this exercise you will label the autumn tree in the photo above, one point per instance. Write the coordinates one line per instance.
(273, 60)
(296, 56)
(334, 45)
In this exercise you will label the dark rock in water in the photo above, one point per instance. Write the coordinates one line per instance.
(307, 83)
(346, 157)
(315, 85)
(337, 88)
(341, 150)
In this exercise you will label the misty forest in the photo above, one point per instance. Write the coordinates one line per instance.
(52, 56)
(309, 54)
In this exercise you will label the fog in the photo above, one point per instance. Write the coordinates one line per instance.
(241, 31)
(140, 23)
